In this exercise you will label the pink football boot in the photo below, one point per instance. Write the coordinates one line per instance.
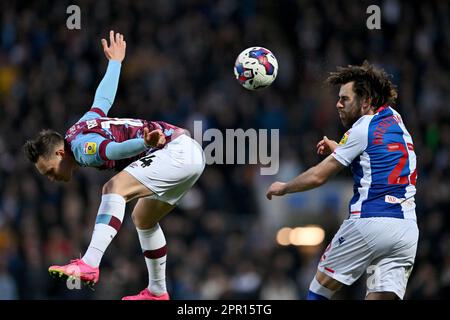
(147, 295)
(77, 269)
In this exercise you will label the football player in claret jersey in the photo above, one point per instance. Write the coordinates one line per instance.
(158, 164)
(380, 234)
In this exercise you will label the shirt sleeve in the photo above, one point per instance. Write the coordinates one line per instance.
(93, 113)
(87, 149)
(106, 92)
(123, 150)
(352, 144)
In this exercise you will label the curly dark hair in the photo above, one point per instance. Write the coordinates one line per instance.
(43, 145)
(369, 82)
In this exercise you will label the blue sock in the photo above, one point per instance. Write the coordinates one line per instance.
(315, 296)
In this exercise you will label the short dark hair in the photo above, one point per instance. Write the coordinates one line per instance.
(43, 145)
(369, 82)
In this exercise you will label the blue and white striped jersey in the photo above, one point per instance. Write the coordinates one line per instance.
(380, 152)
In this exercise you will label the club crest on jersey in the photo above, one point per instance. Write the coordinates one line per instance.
(168, 132)
(90, 148)
(344, 138)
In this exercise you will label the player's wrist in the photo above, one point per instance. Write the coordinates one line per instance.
(146, 145)
(284, 188)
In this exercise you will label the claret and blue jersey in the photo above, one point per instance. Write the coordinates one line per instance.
(111, 143)
(380, 152)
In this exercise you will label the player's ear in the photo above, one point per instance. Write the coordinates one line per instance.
(60, 152)
(367, 102)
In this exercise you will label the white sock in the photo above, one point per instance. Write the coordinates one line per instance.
(153, 244)
(109, 219)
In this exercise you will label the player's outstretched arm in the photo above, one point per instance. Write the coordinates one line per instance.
(310, 179)
(133, 147)
(106, 91)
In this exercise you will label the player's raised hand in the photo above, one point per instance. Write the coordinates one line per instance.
(116, 48)
(276, 189)
(154, 139)
(326, 146)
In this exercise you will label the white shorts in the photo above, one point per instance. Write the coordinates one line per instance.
(385, 248)
(171, 171)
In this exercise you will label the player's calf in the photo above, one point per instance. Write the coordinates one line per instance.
(382, 296)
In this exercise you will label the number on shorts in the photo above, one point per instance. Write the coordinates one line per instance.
(147, 160)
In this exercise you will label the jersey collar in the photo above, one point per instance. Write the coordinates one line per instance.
(384, 106)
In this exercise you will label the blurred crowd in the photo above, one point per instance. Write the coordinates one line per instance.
(179, 68)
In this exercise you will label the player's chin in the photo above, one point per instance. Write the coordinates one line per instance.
(345, 123)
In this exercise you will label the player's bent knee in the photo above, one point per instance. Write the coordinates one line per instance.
(143, 222)
(110, 186)
(126, 186)
(116, 185)
(137, 219)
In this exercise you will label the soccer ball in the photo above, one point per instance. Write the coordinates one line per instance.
(256, 68)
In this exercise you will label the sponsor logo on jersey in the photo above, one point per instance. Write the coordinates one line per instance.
(392, 199)
(90, 148)
(344, 138)
(406, 203)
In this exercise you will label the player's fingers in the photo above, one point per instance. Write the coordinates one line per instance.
(111, 37)
(155, 137)
(326, 140)
(117, 37)
(329, 144)
(269, 195)
(320, 150)
(320, 143)
(104, 44)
